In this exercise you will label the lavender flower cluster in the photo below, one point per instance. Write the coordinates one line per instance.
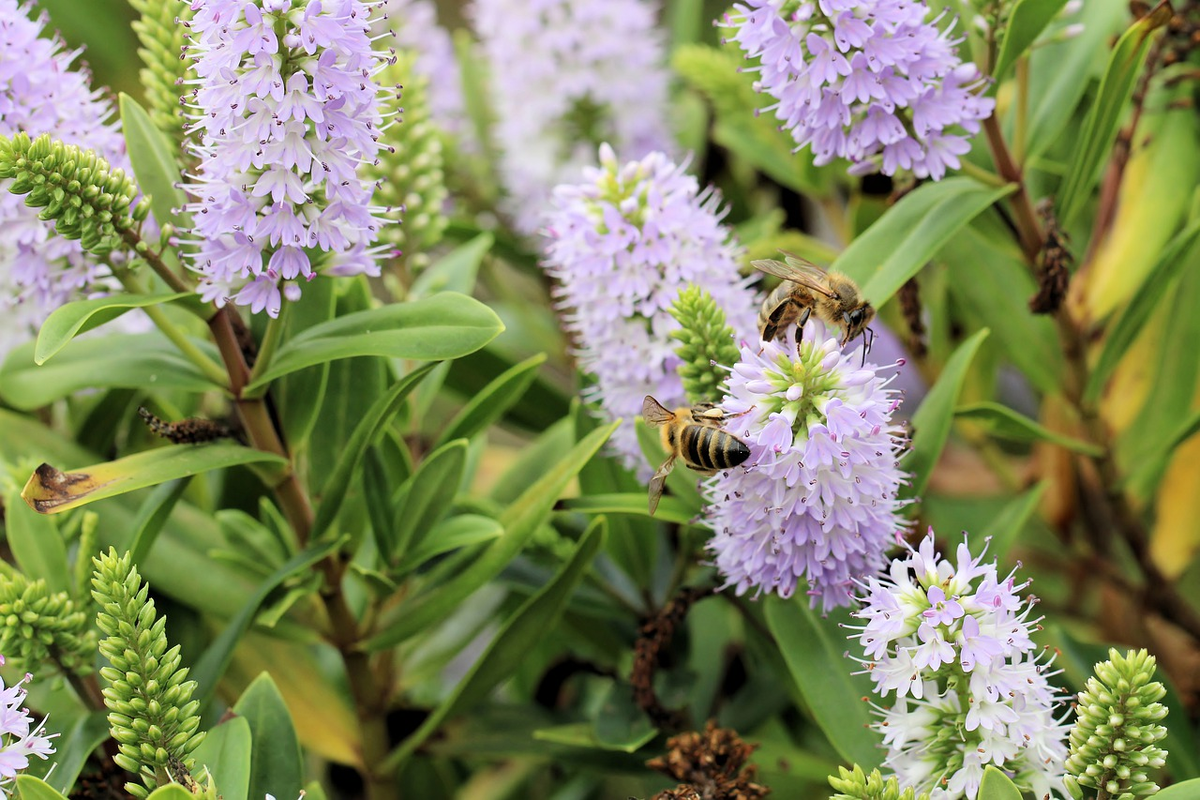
(19, 738)
(285, 113)
(567, 76)
(622, 245)
(818, 497)
(952, 641)
(871, 81)
(40, 93)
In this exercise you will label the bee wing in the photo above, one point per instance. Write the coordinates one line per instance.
(654, 413)
(796, 270)
(658, 482)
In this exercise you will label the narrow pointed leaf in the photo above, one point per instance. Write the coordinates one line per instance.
(519, 521)
(1012, 519)
(814, 646)
(368, 429)
(670, 509)
(1005, 423)
(490, 404)
(37, 545)
(68, 321)
(426, 498)
(455, 271)
(464, 530)
(443, 326)
(154, 164)
(152, 515)
(1026, 21)
(31, 788)
(531, 622)
(931, 423)
(51, 491)
(911, 232)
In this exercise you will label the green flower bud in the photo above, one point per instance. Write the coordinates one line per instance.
(162, 33)
(82, 193)
(54, 630)
(145, 720)
(705, 340)
(855, 785)
(1115, 739)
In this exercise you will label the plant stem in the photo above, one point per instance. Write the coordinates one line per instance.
(1028, 229)
(1021, 123)
(193, 353)
(270, 343)
(142, 250)
(982, 175)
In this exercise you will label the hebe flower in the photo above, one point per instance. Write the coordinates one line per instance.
(19, 738)
(622, 245)
(285, 112)
(872, 81)
(567, 75)
(817, 499)
(41, 94)
(951, 641)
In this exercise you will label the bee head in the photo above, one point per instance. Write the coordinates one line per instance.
(857, 319)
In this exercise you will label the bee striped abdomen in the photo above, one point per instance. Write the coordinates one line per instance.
(711, 449)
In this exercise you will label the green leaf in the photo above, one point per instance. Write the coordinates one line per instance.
(519, 521)
(368, 428)
(1104, 118)
(583, 734)
(1026, 21)
(171, 791)
(1012, 519)
(813, 646)
(132, 361)
(536, 617)
(997, 786)
(670, 509)
(50, 491)
(1187, 790)
(275, 762)
(490, 404)
(299, 396)
(911, 232)
(151, 517)
(154, 164)
(225, 752)
(543, 404)
(1181, 253)
(425, 498)
(465, 530)
(74, 747)
(68, 321)
(31, 788)
(455, 271)
(212, 664)
(447, 325)
(1148, 471)
(1005, 423)
(37, 545)
(931, 423)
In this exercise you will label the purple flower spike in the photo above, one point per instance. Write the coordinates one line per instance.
(873, 82)
(622, 245)
(952, 641)
(284, 113)
(817, 499)
(40, 93)
(567, 76)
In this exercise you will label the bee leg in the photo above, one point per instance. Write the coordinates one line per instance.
(658, 482)
(804, 315)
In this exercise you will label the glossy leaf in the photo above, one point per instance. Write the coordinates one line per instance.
(351, 456)
(132, 361)
(911, 232)
(583, 734)
(1012, 519)
(51, 491)
(1005, 423)
(465, 530)
(1026, 21)
(152, 516)
(455, 271)
(425, 498)
(212, 664)
(31, 788)
(69, 320)
(276, 766)
(225, 751)
(544, 401)
(1107, 112)
(1181, 253)
(997, 786)
(300, 396)
(1187, 790)
(532, 621)
(670, 509)
(1146, 474)
(620, 723)
(814, 646)
(36, 544)
(491, 404)
(447, 325)
(154, 164)
(519, 521)
(931, 423)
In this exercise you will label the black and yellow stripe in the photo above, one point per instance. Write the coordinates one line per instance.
(708, 448)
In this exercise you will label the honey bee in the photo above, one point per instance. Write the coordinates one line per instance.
(809, 289)
(695, 435)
